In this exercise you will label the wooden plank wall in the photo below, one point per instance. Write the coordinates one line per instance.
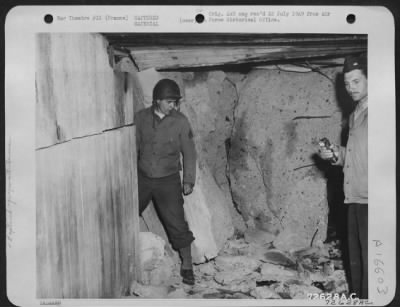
(87, 211)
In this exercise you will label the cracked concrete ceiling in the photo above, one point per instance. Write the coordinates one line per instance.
(179, 51)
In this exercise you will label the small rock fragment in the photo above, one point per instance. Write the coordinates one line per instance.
(265, 293)
(277, 257)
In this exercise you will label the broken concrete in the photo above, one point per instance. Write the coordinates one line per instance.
(265, 293)
(278, 257)
(207, 213)
(155, 265)
(230, 263)
(245, 277)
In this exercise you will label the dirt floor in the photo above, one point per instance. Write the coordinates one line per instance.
(246, 269)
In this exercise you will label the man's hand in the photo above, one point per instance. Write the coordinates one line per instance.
(187, 188)
(330, 153)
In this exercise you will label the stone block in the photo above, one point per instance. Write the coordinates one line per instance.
(155, 265)
(265, 293)
(207, 213)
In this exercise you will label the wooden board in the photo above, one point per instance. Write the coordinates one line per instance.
(169, 58)
(87, 216)
(78, 93)
(135, 39)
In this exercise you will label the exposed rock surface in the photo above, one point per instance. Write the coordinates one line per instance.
(278, 121)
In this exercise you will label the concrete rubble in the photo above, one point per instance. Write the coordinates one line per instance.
(244, 270)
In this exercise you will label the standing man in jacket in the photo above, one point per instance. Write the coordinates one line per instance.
(354, 160)
(162, 135)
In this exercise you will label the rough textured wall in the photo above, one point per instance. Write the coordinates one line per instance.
(278, 122)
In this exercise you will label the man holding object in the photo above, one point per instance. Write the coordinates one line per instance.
(354, 160)
(162, 135)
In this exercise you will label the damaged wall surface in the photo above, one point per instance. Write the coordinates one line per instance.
(275, 179)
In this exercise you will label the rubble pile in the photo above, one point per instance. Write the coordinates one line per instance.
(248, 269)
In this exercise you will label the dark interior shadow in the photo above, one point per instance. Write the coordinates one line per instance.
(346, 106)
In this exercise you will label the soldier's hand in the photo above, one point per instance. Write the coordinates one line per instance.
(328, 153)
(325, 154)
(187, 188)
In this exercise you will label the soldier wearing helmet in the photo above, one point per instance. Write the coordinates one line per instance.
(163, 134)
(354, 160)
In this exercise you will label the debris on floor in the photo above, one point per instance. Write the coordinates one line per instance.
(248, 269)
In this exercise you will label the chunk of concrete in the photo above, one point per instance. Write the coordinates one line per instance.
(155, 265)
(206, 269)
(265, 293)
(229, 263)
(276, 256)
(207, 214)
(238, 275)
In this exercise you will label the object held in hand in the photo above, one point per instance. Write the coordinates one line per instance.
(325, 143)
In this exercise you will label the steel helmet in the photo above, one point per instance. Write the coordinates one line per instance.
(166, 89)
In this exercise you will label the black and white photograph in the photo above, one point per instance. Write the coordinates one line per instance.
(199, 167)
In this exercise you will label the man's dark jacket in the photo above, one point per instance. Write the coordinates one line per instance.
(161, 141)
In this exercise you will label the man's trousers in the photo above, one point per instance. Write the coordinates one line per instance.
(166, 193)
(358, 248)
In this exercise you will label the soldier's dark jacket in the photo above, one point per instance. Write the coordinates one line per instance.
(161, 141)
